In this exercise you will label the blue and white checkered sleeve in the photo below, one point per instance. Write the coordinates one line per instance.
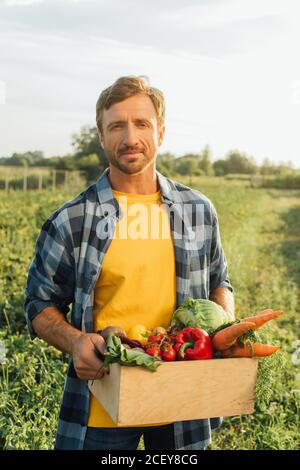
(218, 262)
(50, 279)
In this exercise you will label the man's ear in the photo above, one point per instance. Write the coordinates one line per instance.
(101, 139)
(161, 133)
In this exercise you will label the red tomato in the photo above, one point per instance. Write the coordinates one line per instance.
(168, 353)
(153, 349)
(155, 338)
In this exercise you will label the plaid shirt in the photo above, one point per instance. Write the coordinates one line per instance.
(68, 259)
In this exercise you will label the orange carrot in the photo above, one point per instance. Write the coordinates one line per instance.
(250, 350)
(263, 317)
(227, 337)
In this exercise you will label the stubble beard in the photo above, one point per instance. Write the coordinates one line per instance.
(132, 166)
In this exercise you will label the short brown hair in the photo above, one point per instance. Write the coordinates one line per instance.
(124, 88)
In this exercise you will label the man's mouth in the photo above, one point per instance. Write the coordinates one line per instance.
(130, 154)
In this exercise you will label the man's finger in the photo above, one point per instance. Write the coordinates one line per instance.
(99, 344)
(99, 354)
(102, 372)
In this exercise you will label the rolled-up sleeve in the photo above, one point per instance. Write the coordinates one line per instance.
(51, 275)
(218, 263)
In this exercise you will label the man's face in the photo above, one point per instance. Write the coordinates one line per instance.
(131, 135)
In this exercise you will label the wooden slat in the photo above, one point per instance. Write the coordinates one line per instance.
(107, 391)
(178, 391)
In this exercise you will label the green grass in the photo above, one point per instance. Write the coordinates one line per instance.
(260, 232)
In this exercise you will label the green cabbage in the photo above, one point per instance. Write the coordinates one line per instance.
(200, 313)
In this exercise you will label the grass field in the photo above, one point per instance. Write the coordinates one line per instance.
(261, 236)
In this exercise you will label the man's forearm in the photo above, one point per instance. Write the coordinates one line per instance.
(225, 298)
(51, 326)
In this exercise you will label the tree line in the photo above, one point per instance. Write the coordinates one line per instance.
(89, 157)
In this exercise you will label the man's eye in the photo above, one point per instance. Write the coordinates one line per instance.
(116, 126)
(142, 124)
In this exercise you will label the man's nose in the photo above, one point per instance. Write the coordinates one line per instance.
(130, 138)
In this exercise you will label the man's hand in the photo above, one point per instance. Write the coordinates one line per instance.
(51, 326)
(225, 298)
(87, 363)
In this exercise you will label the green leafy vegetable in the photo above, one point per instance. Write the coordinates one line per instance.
(201, 313)
(269, 370)
(116, 352)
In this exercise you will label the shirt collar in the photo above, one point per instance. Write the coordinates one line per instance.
(106, 198)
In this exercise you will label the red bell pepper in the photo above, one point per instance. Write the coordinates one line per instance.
(193, 344)
(183, 335)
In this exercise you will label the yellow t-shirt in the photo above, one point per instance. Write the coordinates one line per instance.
(137, 284)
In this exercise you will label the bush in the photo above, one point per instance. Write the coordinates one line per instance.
(282, 182)
(237, 176)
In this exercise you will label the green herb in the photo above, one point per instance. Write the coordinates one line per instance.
(247, 338)
(269, 370)
(116, 352)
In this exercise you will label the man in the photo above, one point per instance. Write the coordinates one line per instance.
(83, 259)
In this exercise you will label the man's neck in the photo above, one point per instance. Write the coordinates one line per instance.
(140, 183)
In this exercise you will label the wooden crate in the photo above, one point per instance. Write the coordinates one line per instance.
(178, 391)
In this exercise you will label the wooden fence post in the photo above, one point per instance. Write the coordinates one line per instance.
(25, 179)
(66, 179)
(6, 183)
(53, 179)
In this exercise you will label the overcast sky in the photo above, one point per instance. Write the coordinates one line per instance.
(230, 71)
